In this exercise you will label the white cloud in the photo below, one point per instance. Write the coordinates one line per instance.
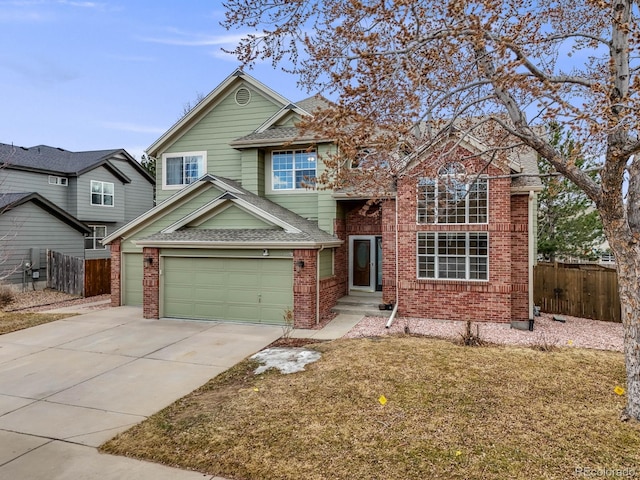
(189, 39)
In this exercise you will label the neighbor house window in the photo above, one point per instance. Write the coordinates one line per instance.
(180, 169)
(453, 255)
(453, 197)
(102, 193)
(94, 240)
(293, 169)
(54, 180)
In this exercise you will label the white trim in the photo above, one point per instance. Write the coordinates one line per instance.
(94, 237)
(372, 263)
(102, 194)
(467, 257)
(233, 244)
(202, 165)
(56, 180)
(269, 173)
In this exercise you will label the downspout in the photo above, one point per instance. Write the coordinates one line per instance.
(318, 286)
(395, 307)
(532, 250)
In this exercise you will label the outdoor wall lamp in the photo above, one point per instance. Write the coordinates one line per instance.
(148, 261)
(265, 252)
(300, 263)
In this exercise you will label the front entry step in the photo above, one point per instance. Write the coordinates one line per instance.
(361, 304)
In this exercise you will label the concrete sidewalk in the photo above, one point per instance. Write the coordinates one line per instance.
(68, 386)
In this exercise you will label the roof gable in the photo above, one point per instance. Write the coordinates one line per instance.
(10, 201)
(235, 80)
(215, 195)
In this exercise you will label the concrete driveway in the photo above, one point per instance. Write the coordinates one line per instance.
(68, 386)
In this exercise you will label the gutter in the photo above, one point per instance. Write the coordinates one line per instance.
(532, 260)
(395, 307)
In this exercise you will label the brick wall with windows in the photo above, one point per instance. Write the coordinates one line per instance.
(465, 298)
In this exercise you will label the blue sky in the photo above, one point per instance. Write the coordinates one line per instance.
(93, 75)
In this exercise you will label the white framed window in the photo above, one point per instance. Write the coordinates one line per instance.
(453, 255)
(102, 193)
(180, 169)
(293, 169)
(55, 180)
(453, 197)
(94, 240)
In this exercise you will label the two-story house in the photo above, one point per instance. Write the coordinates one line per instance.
(239, 233)
(55, 199)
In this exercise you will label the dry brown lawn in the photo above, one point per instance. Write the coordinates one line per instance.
(11, 321)
(452, 412)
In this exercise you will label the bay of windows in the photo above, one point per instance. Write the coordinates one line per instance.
(453, 255)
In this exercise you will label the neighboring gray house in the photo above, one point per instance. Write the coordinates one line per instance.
(51, 198)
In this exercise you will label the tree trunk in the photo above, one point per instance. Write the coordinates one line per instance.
(628, 265)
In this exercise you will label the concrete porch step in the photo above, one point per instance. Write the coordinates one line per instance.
(361, 304)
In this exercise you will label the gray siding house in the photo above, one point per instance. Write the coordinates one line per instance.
(51, 198)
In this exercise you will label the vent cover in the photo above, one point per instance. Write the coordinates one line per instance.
(243, 96)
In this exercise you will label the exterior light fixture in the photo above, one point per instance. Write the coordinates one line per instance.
(265, 252)
(148, 261)
(300, 263)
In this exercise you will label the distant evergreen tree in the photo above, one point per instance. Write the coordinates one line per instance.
(569, 225)
(149, 164)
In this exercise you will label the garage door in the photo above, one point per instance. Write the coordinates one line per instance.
(133, 272)
(235, 289)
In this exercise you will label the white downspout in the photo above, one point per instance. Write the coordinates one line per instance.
(532, 250)
(318, 286)
(395, 307)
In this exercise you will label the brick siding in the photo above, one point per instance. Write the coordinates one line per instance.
(116, 273)
(151, 283)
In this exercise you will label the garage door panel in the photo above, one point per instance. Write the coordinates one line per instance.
(235, 289)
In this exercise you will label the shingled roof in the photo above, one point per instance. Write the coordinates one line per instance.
(58, 161)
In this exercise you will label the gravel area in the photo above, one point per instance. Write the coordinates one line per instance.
(47, 299)
(575, 332)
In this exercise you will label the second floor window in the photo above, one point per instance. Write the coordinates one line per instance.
(180, 169)
(102, 193)
(453, 197)
(293, 169)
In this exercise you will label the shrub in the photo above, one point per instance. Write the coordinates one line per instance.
(6, 295)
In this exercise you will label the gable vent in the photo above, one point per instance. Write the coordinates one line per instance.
(243, 96)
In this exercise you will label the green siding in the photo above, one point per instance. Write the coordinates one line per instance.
(170, 218)
(326, 263)
(250, 170)
(96, 213)
(212, 133)
(304, 204)
(235, 217)
(133, 275)
(241, 290)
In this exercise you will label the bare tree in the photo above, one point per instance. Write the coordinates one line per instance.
(500, 69)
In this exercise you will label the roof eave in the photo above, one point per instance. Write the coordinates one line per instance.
(277, 142)
(236, 245)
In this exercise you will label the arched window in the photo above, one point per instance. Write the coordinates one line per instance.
(453, 197)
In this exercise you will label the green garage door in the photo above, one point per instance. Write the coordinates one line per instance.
(235, 289)
(132, 289)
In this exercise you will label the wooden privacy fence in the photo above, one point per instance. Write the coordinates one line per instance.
(580, 290)
(78, 276)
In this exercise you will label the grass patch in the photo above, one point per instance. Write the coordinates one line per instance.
(11, 322)
(452, 413)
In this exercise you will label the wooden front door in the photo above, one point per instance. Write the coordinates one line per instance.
(361, 262)
(365, 263)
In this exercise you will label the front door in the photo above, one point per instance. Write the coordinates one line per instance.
(365, 263)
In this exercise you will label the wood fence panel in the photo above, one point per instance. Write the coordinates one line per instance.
(580, 290)
(65, 273)
(97, 276)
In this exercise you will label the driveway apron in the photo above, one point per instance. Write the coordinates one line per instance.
(68, 386)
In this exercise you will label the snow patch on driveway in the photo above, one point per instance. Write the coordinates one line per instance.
(287, 360)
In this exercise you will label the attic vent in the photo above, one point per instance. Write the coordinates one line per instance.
(243, 96)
